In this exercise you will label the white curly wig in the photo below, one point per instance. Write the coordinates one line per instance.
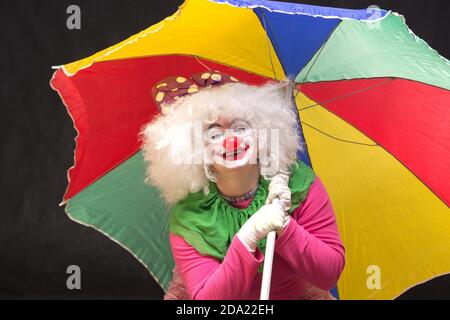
(168, 142)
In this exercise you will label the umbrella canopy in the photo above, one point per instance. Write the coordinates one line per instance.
(373, 102)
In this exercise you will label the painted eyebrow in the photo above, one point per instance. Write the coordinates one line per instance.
(238, 121)
(213, 125)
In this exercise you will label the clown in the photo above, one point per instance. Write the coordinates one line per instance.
(220, 153)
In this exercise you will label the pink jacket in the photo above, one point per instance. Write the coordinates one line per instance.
(308, 252)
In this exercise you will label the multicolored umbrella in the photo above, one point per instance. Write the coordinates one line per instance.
(374, 107)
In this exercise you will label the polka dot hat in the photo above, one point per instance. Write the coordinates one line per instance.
(172, 88)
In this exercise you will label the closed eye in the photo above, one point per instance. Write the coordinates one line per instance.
(239, 130)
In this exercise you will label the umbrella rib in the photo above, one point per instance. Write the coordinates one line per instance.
(198, 60)
(347, 94)
(340, 97)
(389, 152)
(339, 139)
(319, 52)
(315, 60)
(268, 45)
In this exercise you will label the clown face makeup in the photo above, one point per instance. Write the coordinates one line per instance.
(231, 144)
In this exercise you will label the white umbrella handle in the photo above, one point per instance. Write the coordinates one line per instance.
(268, 261)
(267, 272)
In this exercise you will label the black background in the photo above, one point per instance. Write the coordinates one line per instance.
(37, 240)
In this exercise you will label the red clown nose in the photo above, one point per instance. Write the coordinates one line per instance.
(231, 144)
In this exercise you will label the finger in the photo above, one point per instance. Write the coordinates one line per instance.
(278, 205)
(286, 204)
(270, 198)
(278, 224)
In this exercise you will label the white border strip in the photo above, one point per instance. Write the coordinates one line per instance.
(303, 13)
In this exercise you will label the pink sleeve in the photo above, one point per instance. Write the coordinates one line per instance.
(311, 243)
(206, 278)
